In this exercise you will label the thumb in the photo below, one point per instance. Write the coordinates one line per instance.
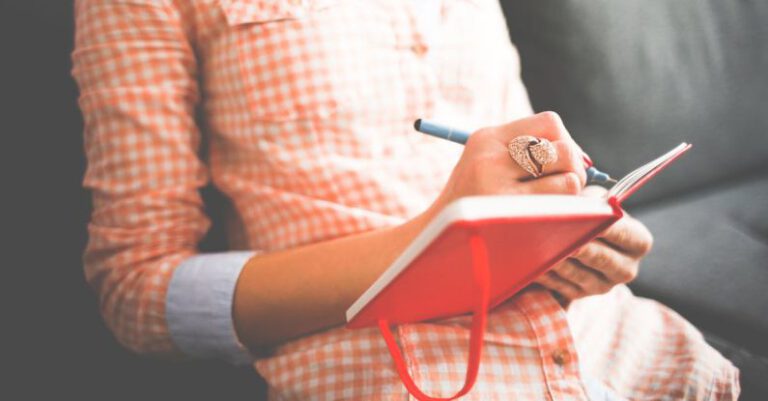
(563, 183)
(593, 191)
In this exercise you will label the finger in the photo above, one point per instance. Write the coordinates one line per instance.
(569, 159)
(629, 235)
(616, 266)
(555, 283)
(589, 280)
(547, 125)
(565, 183)
(594, 191)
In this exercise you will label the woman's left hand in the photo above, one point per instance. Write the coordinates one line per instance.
(611, 259)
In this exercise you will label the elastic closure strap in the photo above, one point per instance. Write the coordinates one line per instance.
(479, 318)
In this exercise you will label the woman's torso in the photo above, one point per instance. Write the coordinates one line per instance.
(310, 106)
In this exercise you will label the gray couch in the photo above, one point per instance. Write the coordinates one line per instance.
(633, 78)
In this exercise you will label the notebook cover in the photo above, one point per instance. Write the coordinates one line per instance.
(439, 282)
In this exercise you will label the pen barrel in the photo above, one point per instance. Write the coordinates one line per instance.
(441, 131)
(594, 176)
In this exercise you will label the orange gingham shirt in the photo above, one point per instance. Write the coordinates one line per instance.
(306, 109)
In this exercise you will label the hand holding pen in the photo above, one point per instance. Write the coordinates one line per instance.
(530, 163)
(484, 170)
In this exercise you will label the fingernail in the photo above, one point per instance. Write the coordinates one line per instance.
(587, 160)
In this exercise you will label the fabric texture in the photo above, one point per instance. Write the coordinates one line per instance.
(308, 109)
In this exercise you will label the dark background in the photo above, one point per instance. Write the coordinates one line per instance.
(56, 340)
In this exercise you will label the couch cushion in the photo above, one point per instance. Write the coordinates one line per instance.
(753, 368)
(710, 261)
(633, 78)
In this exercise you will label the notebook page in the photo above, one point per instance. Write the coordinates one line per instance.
(629, 180)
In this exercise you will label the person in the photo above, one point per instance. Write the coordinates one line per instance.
(300, 113)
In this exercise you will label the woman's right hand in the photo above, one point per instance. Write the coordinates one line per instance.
(486, 168)
(286, 294)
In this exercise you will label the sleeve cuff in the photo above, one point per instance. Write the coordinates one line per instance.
(199, 306)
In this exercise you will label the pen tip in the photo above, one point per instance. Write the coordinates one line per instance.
(417, 124)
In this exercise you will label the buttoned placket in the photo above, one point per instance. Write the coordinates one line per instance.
(420, 78)
(557, 350)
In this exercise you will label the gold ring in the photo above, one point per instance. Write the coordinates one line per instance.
(532, 153)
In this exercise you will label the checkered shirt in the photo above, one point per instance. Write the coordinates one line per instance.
(301, 113)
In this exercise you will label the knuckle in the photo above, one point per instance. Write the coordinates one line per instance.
(554, 123)
(632, 272)
(647, 243)
(551, 281)
(566, 271)
(564, 151)
(552, 118)
(603, 288)
(557, 281)
(561, 289)
(621, 235)
(591, 288)
(601, 259)
(567, 160)
(626, 274)
(481, 135)
(547, 281)
(571, 183)
(570, 272)
(572, 293)
(583, 253)
(577, 166)
(582, 276)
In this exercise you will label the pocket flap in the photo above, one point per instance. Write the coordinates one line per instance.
(240, 12)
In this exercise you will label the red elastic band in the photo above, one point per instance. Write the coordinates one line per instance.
(479, 318)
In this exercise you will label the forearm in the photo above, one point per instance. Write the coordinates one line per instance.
(286, 294)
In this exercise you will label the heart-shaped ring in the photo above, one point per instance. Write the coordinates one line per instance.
(532, 153)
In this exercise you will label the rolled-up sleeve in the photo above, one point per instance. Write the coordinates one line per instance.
(137, 75)
(199, 306)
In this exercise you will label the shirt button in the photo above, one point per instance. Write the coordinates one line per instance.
(419, 49)
(561, 357)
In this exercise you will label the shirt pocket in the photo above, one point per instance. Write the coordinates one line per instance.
(315, 59)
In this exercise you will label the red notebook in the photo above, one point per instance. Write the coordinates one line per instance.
(479, 251)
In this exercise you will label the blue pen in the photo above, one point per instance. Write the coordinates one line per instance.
(594, 176)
